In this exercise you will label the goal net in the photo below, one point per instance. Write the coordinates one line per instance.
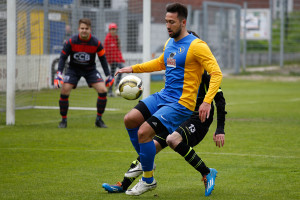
(42, 26)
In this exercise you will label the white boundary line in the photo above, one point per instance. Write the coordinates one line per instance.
(73, 108)
(256, 102)
(116, 109)
(121, 151)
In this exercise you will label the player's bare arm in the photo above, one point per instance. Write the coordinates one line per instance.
(124, 70)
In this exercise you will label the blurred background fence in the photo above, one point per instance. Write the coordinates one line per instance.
(239, 33)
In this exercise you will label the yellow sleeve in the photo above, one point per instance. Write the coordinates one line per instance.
(157, 64)
(207, 60)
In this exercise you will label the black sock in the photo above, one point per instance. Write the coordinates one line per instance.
(127, 182)
(101, 104)
(192, 158)
(64, 106)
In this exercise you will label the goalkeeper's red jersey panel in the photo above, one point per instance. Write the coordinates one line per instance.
(82, 52)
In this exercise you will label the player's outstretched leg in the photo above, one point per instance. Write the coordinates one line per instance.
(141, 187)
(209, 181)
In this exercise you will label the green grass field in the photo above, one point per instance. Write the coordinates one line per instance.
(260, 159)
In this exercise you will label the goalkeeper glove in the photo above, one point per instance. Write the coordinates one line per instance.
(58, 81)
(109, 81)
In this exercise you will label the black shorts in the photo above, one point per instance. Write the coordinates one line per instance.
(193, 131)
(72, 76)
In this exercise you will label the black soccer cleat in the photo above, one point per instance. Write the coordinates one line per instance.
(62, 124)
(100, 123)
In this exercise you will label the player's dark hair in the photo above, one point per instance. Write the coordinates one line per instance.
(85, 21)
(178, 8)
(192, 32)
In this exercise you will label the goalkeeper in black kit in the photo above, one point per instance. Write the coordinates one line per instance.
(82, 49)
(189, 134)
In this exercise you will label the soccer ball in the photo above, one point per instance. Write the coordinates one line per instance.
(131, 87)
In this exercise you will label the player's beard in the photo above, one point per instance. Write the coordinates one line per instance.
(176, 34)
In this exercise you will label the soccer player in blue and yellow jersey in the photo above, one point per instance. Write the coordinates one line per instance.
(185, 58)
(189, 134)
(82, 49)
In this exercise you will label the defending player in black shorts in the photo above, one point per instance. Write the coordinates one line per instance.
(82, 49)
(192, 133)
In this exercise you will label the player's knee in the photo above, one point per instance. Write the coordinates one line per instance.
(65, 92)
(133, 119)
(130, 121)
(144, 135)
(102, 90)
(172, 141)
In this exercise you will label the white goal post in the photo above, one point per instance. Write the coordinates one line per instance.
(11, 62)
(146, 43)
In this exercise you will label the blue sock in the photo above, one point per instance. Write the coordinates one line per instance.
(133, 135)
(147, 156)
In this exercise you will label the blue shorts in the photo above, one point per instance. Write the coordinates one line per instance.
(170, 114)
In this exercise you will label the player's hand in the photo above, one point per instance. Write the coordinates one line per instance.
(109, 81)
(58, 81)
(124, 70)
(219, 139)
(204, 111)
